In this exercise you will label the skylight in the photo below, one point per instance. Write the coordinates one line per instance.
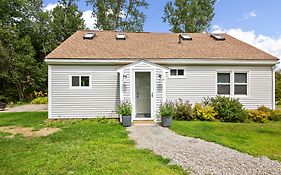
(185, 36)
(89, 35)
(121, 36)
(217, 36)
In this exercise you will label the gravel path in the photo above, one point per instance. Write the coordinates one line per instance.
(200, 156)
(28, 108)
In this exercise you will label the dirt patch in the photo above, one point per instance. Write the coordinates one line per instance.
(28, 132)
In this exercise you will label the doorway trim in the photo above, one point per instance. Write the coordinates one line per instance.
(152, 93)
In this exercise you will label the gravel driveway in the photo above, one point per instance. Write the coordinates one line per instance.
(28, 108)
(199, 156)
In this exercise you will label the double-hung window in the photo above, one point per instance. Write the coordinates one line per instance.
(232, 83)
(80, 81)
(240, 84)
(223, 84)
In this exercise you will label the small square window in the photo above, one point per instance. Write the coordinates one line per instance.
(75, 80)
(173, 72)
(180, 72)
(80, 81)
(176, 72)
(85, 81)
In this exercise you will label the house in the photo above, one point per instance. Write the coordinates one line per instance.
(92, 71)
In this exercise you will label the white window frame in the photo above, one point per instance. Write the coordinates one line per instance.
(80, 87)
(223, 72)
(232, 83)
(177, 76)
(247, 84)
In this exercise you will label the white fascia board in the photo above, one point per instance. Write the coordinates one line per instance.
(165, 61)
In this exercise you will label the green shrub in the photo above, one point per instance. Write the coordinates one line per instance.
(204, 112)
(264, 109)
(125, 108)
(275, 115)
(258, 115)
(228, 109)
(183, 110)
(166, 109)
(40, 100)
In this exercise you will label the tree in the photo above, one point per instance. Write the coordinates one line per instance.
(122, 15)
(278, 86)
(66, 19)
(189, 15)
(27, 35)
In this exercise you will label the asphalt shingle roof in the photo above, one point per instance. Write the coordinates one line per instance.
(145, 45)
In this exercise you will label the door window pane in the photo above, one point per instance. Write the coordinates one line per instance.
(223, 90)
(240, 89)
(85, 81)
(75, 80)
(240, 78)
(223, 78)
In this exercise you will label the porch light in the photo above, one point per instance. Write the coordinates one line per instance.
(124, 77)
(160, 78)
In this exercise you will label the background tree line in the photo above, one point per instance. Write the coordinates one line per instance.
(28, 33)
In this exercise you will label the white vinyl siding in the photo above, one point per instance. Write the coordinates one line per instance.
(100, 100)
(200, 82)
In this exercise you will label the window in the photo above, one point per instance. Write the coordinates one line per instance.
(121, 36)
(176, 72)
(223, 84)
(75, 81)
(185, 36)
(89, 35)
(80, 81)
(233, 83)
(218, 37)
(240, 83)
(85, 81)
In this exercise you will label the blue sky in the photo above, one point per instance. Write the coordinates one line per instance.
(256, 22)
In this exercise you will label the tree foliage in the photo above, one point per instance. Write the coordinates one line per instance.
(122, 15)
(189, 15)
(27, 35)
(278, 87)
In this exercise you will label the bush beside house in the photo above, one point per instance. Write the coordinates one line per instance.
(224, 109)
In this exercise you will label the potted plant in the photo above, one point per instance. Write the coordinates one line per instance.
(166, 111)
(125, 110)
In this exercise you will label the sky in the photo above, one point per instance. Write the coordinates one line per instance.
(256, 22)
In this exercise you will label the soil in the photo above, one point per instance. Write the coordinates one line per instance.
(28, 132)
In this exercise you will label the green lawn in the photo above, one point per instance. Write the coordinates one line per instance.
(82, 147)
(258, 139)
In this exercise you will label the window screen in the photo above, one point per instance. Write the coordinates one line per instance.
(223, 83)
(240, 84)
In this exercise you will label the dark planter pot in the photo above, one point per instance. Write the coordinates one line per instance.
(127, 121)
(166, 121)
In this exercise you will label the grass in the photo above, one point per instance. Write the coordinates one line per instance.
(258, 139)
(82, 147)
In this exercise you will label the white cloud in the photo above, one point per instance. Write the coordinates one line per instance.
(50, 7)
(265, 43)
(89, 19)
(249, 15)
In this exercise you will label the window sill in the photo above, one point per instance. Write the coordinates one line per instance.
(177, 77)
